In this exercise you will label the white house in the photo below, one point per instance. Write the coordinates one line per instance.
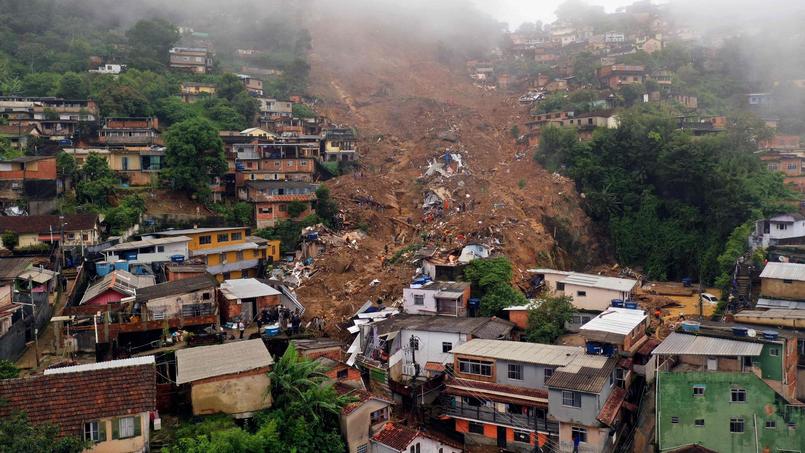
(427, 341)
(442, 298)
(109, 69)
(780, 229)
(589, 292)
(149, 250)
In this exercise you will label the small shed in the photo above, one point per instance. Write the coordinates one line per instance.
(230, 378)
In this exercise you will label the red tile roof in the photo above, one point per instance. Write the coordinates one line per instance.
(395, 436)
(361, 395)
(434, 366)
(70, 399)
(613, 405)
(648, 346)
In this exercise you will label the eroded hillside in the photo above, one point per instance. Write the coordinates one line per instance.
(410, 110)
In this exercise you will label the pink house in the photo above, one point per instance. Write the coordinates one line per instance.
(114, 287)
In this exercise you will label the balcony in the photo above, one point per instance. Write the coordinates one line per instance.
(455, 408)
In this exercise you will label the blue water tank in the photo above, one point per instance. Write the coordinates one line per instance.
(474, 302)
(130, 255)
(594, 349)
(121, 265)
(177, 259)
(687, 282)
(271, 331)
(617, 303)
(690, 326)
(740, 331)
(770, 334)
(630, 304)
(103, 268)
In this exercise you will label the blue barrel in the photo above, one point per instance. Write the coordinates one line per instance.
(617, 303)
(271, 331)
(177, 259)
(122, 265)
(631, 305)
(103, 268)
(474, 302)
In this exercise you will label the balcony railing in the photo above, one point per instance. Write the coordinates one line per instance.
(488, 414)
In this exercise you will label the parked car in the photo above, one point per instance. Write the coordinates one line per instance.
(709, 298)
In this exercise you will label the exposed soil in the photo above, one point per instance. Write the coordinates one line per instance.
(409, 109)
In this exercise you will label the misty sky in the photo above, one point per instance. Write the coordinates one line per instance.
(515, 12)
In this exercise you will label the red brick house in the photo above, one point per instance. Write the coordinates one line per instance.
(106, 403)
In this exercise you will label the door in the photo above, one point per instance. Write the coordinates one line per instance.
(247, 311)
(712, 364)
(501, 437)
(125, 163)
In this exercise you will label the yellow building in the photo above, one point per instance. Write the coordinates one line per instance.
(228, 252)
(193, 91)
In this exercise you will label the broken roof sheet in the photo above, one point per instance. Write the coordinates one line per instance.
(780, 303)
(486, 327)
(616, 320)
(203, 362)
(545, 354)
(598, 281)
(684, 344)
(784, 271)
(245, 288)
(585, 373)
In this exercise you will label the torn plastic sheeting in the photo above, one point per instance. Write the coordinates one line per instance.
(352, 358)
(379, 314)
(355, 346)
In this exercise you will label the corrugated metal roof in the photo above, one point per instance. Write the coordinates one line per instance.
(246, 288)
(134, 361)
(598, 281)
(784, 271)
(616, 320)
(195, 230)
(685, 344)
(203, 362)
(147, 243)
(586, 373)
(773, 313)
(545, 354)
(779, 303)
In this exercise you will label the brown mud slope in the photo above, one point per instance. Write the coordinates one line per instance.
(408, 109)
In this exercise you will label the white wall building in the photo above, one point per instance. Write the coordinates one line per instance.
(149, 250)
(589, 292)
(778, 229)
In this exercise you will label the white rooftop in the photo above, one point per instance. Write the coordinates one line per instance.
(590, 280)
(685, 344)
(616, 320)
(784, 271)
(518, 351)
(195, 230)
(147, 242)
(201, 362)
(133, 361)
(245, 288)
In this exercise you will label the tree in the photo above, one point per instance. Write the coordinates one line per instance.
(224, 115)
(17, 433)
(97, 182)
(230, 86)
(555, 146)
(126, 214)
(246, 106)
(66, 166)
(7, 368)
(546, 322)
(326, 208)
(194, 156)
(489, 272)
(302, 111)
(150, 41)
(10, 239)
(296, 208)
(71, 86)
(500, 296)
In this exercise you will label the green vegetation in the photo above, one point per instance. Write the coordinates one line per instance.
(17, 433)
(492, 278)
(96, 183)
(303, 418)
(10, 239)
(326, 207)
(546, 322)
(669, 200)
(288, 232)
(296, 208)
(126, 214)
(194, 156)
(8, 370)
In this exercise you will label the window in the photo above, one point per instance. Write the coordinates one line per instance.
(772, 166)
(515, 372)
(782, 226)
(447, 346)
(698, 390)
(414, 343)
(774, 352)
(236, 236)
(283, 208)
(675, 420)
(571, 399)
(85, 237)
(125, 427)
(738, 396)
(95, 431)
(736, 425)
(771, 424)
(792, 165)
(363, 448)
(160, 248)
(205, 296)
(476, 428)
(579, 433)
(342, 374)
(477, 367)
(787, 281)
(581, 293)
(522, 436)
(419, 299)
(699, 423)
(379, 415)
(548, 372)
(206, 239)
(238, 256)
(223, 237)
(560, 286)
